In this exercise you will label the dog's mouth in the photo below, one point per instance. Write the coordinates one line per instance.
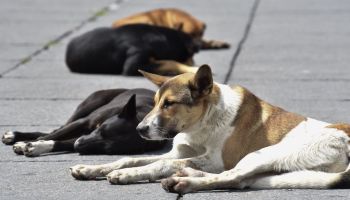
(159, 134)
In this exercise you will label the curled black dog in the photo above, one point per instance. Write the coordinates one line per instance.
(104, 123)
(128, 48)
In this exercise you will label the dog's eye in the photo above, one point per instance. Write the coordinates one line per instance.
(168, 103)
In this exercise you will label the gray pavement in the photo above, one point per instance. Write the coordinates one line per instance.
(295, 56)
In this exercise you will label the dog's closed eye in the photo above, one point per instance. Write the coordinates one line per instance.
(167, 104)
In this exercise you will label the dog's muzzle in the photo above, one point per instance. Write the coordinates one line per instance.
(143, 130)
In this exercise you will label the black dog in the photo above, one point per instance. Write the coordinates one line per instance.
(104, 123)
(126, 49)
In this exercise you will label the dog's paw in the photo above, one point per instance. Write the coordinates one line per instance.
(8, 138)
(18, 147)
(86, 172)
(33, 149)
(123, 176)
(176, 185)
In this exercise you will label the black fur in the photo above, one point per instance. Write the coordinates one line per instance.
(104, 123)
(126, 49)
(343, 182)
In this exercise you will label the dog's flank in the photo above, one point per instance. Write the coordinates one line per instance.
(171, 18)
(231, 139)
(265, 124)
(126, 49)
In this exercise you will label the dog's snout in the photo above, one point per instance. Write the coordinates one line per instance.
(142, 129)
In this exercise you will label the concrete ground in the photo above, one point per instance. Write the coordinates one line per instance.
(294, 54)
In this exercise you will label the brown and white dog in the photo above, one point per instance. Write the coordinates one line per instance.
(226, 137)
(174, 19)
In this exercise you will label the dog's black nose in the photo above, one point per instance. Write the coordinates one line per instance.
(142, 129)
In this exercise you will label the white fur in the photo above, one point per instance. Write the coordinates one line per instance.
(208, 135)
(297, 179)
(8, 137)
(18, 147)
(38, 147)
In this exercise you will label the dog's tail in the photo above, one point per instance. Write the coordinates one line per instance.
(304, 179)
(213, 44)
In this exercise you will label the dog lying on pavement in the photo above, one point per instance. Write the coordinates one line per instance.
(104, 123)
(126, 49)
(225, 137)
(175, 19)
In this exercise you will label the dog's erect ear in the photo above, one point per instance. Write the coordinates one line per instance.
(202, 83)
(154, 78)
(129, 110)
(179, 26)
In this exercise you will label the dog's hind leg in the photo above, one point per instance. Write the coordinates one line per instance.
(320, 151)
(94, 101)
(135, 60)
(69, 131)
(36, 148)
(11, 137)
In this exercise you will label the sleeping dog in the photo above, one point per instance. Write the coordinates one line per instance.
(175, 19)
(225, 137)
(104, 123)
(126, 49)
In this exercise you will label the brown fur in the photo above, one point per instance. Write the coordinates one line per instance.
(257, 125)
(170, 18)
(173, 67)
(341, 126)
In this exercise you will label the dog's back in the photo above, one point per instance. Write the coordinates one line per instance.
(94, 52)
(126, 49)
(170, 17)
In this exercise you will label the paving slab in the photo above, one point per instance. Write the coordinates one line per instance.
(296, 56)
(76, 87)
(36, 112)
(49, 177)
(26, 26)
(271, 194)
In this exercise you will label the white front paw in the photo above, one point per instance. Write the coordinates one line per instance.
(8, 137)
(18, 147)
(86, 172)
(33, 149)
(123, 176)
(177, 185)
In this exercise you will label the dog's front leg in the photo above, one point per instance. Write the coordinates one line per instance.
(155, 171)
(88, 172)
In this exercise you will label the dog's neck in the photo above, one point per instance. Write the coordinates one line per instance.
(223, 111)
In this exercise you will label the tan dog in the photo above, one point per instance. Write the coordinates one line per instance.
(226, 137)
(174, 19)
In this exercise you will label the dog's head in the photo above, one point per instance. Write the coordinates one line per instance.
(116, 135)
(180, 103)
